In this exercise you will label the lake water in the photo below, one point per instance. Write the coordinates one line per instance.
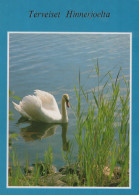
(51, 62)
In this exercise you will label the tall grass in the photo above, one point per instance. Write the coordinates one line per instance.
(30, 175)
(12, 136)
(103, 133)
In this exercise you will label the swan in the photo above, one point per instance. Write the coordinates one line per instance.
(42, 107)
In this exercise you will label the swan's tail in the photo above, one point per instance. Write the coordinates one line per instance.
(17, 107)
(20, 110)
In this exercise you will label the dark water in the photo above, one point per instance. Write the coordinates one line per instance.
(51, 62)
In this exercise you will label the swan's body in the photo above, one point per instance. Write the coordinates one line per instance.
(42, 107)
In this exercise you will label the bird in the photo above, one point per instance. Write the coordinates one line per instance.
(42, 107)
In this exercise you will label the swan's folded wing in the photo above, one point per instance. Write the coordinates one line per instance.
(48, 100)
(31, 105)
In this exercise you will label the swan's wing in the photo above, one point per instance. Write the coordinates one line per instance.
(31, 105)
(48, 100)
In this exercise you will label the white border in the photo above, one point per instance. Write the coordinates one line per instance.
(130, 155)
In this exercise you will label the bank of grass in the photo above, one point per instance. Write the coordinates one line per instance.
(102, 137)
(30, 175)
(103, 133)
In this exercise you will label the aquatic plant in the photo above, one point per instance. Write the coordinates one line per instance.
(103, 133)
(29, 175)
(12, 136)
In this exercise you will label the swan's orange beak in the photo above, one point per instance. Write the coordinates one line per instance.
(68, 105)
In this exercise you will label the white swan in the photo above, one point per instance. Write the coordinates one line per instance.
(42, 107)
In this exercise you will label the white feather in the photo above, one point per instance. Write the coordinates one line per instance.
(42, 107)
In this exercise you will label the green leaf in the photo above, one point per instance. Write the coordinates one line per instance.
(16, 97)
(86, 98)
(76, 92)
(11, 118)
(117, 77)
(11, 93)
(13, 136)
(10, 113)
(95, 98)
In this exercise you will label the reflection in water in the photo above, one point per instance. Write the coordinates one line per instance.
(64, 136)
(37, 130)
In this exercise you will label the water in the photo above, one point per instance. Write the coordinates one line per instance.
(51, 62)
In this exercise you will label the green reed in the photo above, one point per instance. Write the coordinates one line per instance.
(29, 175)
(68, 155)
(103, 133)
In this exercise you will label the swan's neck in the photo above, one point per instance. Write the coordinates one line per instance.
(64, 111)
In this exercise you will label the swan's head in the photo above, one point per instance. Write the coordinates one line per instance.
(66, 98)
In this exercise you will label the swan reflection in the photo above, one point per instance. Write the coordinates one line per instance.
(38, 130)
